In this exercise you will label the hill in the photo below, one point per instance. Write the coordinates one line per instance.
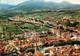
(4, 7)
(42, 5)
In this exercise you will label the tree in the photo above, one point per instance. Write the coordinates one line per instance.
(10, 34)
(74, 24)
(61, 43)
(4, 31)
(75, 42)
(61, 27)
(67, 23)
(30, 50)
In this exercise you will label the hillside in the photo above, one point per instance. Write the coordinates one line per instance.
(5, 7)
(42, 5)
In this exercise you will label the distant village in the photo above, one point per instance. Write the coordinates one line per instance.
(57, 44)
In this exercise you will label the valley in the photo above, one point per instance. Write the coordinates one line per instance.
(40, 28)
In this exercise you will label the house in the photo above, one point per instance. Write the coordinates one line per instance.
(73, 38)
(66, 50)
(1, 49)
(38, 53)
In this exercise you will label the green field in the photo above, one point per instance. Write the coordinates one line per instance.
(12, 27)
(1, 30)
(57, 16)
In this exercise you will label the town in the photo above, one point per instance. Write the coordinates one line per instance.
(39, 28)
(54, 40)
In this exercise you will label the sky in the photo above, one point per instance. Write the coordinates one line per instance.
(15, 2)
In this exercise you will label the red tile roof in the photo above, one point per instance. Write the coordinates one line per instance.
(1, 47)
(38, 53)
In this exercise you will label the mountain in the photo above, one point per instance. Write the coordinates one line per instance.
(41, 5)
(3, 6)
(33, 5)
(67, 5)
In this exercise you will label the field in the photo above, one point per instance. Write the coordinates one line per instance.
(7, 26)
(73, 15)
(12, 26)
(1, 29)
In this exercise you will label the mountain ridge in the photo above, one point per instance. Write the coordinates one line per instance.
(41, 5)
(3, 6)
